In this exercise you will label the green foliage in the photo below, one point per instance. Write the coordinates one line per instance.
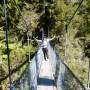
(23, 17)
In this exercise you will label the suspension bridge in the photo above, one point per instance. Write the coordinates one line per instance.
(40, 74)
(51, 75)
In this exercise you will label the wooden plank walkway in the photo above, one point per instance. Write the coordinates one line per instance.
(46, 79)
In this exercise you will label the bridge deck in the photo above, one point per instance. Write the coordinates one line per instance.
(46, 78)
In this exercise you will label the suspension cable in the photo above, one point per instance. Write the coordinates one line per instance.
(6, 36)
(67, 25)
(66, 29)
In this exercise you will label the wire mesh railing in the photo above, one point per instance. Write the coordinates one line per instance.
(28, 79)
(65, 79)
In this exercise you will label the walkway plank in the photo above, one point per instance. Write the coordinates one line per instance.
(46, 79)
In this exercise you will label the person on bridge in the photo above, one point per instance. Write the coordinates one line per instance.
(44, 44)
(45, 47)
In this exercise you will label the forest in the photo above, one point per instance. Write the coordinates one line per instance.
(70, 21)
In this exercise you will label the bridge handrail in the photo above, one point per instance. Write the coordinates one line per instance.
(76, 78)
(17, 68)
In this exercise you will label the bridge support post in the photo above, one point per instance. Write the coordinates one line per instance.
(88, 85)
